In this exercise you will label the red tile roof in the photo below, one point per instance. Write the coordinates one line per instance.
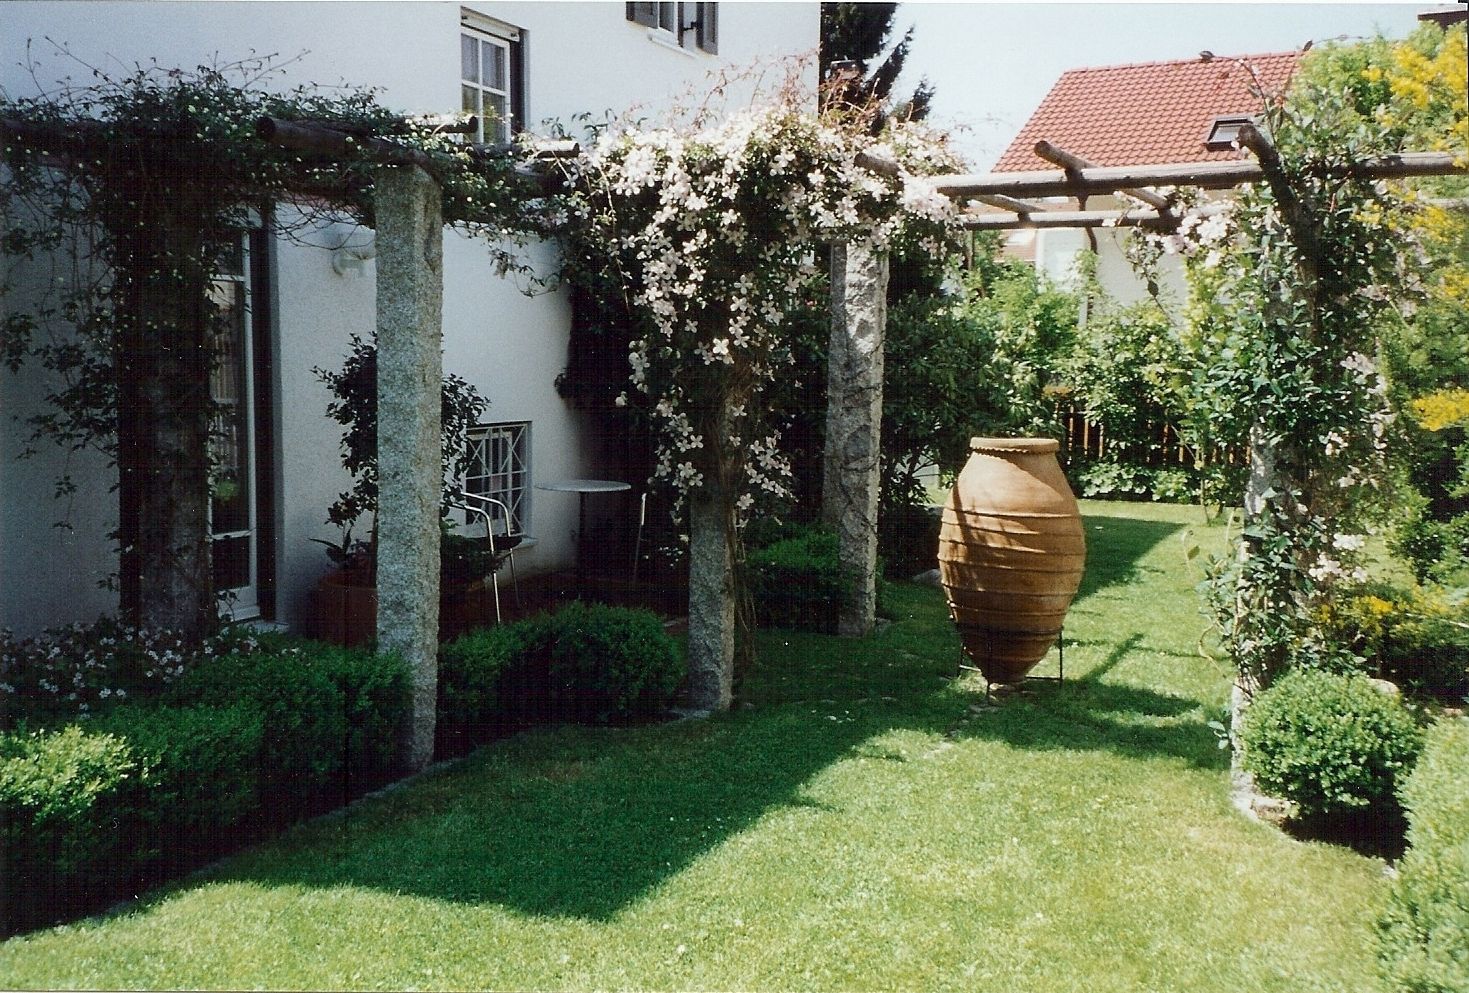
(1147, 113)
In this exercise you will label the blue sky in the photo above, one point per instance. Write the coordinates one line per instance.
(992, 63)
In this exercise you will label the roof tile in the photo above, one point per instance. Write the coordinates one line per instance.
(1146, 113)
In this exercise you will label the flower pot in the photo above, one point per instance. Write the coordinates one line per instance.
(1011, 553)
(345, 609)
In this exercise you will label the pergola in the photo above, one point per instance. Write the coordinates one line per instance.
(1007, 201)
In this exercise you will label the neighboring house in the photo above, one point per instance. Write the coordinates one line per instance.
(1147, 113)
(298, 304)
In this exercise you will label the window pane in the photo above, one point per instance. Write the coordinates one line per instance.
(469, 99)
(668, 16)
(499, 127)
(494, 64)
(468, 58)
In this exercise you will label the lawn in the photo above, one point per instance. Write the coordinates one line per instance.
(865, 821)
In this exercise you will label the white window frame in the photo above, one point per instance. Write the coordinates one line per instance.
(240, 602)
(689, 27)
(480, 31)
(509, 480)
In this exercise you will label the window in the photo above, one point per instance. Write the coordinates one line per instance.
(499, 468)
(1224, 132)
(689, 25)
(240, 438)
(492, 76)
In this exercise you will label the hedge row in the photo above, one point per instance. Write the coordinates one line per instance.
(242, 743)
(588, 663)
(1424, 933)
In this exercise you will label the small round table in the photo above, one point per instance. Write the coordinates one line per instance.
(581, 487)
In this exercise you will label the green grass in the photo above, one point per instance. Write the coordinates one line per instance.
(867, 822)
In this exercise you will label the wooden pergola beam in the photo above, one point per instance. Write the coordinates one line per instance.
(1141, 218)
(1204, 175)
(332, 142)
(1023, 208)
(1075, 164)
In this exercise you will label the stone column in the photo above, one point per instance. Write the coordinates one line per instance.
(409, 384)
(859, 280)
(711, 605)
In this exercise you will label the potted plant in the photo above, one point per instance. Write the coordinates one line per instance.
(345, 599)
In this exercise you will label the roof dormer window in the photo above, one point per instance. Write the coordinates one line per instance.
(1224, 132)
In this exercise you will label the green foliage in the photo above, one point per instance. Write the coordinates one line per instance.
(376, 701)
(481, 674)
(1329, 743)
(1423, 935)
(612, 663)
(585, 662)
(1418, 638)
(354, 406)
(1131, 375)
(57, 789)
(798, 582)
(62, 797)
(302, 710)
(197, 773)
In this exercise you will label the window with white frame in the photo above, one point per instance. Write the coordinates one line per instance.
(492, 76)
(499, 468)
(688, 25)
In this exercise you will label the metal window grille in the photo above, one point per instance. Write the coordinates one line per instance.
(499, 468)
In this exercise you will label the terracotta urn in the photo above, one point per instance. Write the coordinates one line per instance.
(1011, 553)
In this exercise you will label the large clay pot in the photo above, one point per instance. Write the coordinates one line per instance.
(1011, 552)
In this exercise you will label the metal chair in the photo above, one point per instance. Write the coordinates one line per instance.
(502, 546)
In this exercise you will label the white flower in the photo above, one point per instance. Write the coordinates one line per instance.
(1348, 542)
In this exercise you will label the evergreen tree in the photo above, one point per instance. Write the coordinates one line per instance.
(854, 38)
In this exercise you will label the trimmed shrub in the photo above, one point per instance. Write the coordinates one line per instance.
(483, 676)
(61, 795)
(586, 662)
(1423, 935)
(302, 710)
(197, 774)
(376, 698)
(798, 582)
(1329, 743)
(612, 664)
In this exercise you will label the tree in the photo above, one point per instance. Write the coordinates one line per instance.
(853, 36)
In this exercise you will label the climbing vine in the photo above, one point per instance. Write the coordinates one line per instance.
(123, 197)
(1293, 290)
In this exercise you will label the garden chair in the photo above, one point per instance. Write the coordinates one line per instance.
(502, 544)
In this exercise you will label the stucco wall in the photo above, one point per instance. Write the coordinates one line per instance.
(581, 57)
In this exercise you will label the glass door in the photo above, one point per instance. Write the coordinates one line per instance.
(233, 506)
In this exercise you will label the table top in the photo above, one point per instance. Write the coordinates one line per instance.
(585, 486)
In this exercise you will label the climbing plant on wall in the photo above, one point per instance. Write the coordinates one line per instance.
(133, 188)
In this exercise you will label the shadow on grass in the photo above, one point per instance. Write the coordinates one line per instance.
(583, 823)
(1115, 547)
(572, 822)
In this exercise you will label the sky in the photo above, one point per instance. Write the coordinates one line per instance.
(993, 63)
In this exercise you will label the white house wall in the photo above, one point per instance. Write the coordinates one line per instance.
(580, 57)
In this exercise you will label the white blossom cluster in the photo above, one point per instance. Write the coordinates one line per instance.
(77, 668)
(719, 232)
